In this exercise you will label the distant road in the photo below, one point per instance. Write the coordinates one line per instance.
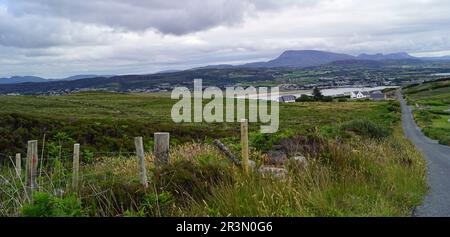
(437, 202)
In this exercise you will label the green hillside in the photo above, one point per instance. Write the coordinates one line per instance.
(431, 102)
(354, 167)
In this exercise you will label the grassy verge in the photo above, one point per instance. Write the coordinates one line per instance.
(432, 108)
(358, 163)
(359, 176)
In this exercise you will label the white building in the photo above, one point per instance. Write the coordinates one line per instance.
(359, 94)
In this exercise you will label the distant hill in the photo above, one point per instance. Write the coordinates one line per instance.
(216, 77)
(301, 58)
(218, 66)
(443, 58)
(21, 79)
(219, 75)
(77, 77)
(169, 71)
(29, 79)
(379, 57)
(357, 63)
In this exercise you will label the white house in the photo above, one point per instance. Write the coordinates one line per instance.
(359, 94)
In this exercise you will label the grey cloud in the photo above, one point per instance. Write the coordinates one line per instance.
(33, 31)
(167, 17)
(60, 37)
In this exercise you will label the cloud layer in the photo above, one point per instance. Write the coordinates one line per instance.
(63, 37)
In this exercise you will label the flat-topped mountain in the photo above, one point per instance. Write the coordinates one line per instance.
(302, 58)
(343, 65)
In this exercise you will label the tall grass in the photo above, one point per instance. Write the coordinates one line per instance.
(359, 176)
(362, 178)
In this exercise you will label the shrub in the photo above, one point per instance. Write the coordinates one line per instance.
(365, 128)
(319, 97)
(188, 179)
(264, 142)
(46, 205)
(305, 98)
(394, 107)
(155, 204)
(327, 99)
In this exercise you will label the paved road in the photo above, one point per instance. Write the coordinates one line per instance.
(437, 202)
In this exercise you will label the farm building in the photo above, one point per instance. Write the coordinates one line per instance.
(286, 99)
(377, 95)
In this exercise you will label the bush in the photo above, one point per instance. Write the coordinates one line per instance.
(305, 98)
(264, 142)
(365, 128)
(188, 179)
(327, 99)
(394, 107)
(321, 98)
(154, 204)
(46, 205)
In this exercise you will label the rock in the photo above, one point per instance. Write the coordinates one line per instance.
(272, 171)
(277, 147)
(301, 160)
(58, 192)
(251, 164)
(4, 182)
(276, 158)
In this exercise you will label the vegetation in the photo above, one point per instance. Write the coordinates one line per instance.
(432, 108)
(358, 163)
(107, 122)
(350, 72)
(316, 96)
(46, 205)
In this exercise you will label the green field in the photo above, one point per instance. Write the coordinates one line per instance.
(359, 163)
(431, 102)
(109, 120)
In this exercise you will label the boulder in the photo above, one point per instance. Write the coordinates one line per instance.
(300, 160)
(251, 164)
(272, 171)
(276, 158)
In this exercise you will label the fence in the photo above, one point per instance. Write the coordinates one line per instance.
(160, 151)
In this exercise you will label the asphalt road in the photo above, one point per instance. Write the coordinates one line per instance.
(437, 201)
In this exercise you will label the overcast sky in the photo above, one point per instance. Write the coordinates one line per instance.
(58, 38)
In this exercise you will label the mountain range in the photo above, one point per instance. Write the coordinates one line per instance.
(24, 79)
(308, 58)
(288, 59)
(393, 56)
(21, 79)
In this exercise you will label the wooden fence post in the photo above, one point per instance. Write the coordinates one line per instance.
(161, 149)
(138, 143)
(76, 166)
(32, 164)
(18, 165)
(244, 144)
